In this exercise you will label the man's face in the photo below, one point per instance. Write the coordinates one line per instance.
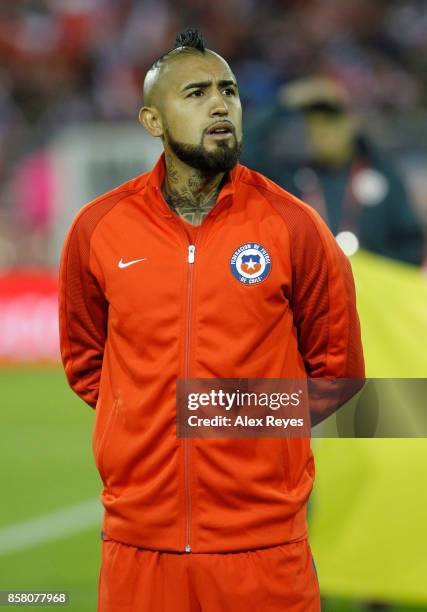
(201, 112)
(331, 136)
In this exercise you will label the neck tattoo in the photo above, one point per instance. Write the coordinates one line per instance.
(191, 197)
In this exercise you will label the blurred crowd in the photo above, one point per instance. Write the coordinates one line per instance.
(68, 62)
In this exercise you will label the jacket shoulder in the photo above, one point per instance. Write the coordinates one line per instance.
(292, 210)
(91, 213)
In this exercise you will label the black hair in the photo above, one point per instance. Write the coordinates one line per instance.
(190, 38)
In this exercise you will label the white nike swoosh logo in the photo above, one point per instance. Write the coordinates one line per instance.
(125, 264)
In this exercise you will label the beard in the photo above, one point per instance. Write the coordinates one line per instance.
(222, 159)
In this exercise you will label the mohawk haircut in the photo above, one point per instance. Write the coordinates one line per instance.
(188, 40)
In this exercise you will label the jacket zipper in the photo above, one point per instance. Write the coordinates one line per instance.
(191, 255)
(191, 260)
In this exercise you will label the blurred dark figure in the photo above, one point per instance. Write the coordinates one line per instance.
(313, 146)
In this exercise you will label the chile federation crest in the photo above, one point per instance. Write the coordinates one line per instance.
(250, 263)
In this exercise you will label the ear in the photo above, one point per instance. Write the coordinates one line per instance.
(150, 118)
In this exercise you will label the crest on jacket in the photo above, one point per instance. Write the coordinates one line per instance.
(250, 263)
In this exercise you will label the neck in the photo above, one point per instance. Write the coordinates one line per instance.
(189, 193)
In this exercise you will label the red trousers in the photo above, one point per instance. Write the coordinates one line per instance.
(280, 578)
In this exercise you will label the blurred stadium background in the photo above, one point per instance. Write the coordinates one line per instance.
(70, 88)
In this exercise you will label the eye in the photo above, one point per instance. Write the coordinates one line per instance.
(197, 93)
(230, 91)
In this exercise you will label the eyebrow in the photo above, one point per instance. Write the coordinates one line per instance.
(205, 84)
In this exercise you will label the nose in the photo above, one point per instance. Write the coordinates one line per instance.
(219, 106)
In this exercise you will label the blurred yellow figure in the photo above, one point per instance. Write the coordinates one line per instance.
(368, 520)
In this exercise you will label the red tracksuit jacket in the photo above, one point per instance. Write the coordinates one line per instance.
(140, 306)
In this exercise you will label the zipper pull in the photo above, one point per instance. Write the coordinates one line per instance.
(191, 253)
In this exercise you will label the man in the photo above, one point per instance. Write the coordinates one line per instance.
(336, 169)
(153, 288)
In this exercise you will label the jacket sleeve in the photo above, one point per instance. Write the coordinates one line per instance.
(325, 315)
(83, 312)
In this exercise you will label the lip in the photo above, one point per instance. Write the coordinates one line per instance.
(221, 135)
(218, 125)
